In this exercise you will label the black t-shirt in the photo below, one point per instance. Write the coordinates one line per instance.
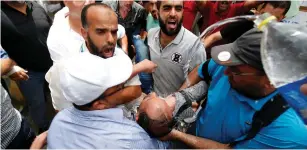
(24, 37)
(234, 30)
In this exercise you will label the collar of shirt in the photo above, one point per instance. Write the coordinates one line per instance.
(216, 6)
(255, 104)
(177, 39)
(111, 113)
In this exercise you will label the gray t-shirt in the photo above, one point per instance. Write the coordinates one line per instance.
(10, 120)
(175, 61)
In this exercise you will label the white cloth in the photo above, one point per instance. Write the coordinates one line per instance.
(121, 32)
(52, 77)
(63, 42)
(82, 82)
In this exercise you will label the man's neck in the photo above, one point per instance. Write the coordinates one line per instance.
(75, 23)
(19, 7)
(165, 39)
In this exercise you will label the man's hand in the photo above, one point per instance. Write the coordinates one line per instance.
(19, 75)
(40, 141)
(148, 66)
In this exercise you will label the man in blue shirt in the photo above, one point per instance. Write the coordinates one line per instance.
(91, 123)
(239, 88)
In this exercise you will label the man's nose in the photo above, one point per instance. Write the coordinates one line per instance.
(110, 38)
(173, 12)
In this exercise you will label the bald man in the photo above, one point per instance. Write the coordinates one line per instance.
(157, 115)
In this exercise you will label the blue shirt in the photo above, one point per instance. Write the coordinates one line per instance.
(103, 129)
(228, 114)
(3, 53)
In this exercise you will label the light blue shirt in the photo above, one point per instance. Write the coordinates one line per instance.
(151, 22)
(103, 129)
(228, 114)
(3, 53)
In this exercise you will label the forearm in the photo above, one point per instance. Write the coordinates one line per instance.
(192, 79)
(208, 41)
(124, 44)
(137, 68)
(197, 142)
(196, 92)
(125, 95)
(6, 65)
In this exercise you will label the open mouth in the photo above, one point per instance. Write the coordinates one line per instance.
(108, 52)
(172, 24)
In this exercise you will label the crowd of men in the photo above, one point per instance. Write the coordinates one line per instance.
(128, 74)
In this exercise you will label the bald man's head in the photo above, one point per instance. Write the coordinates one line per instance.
(95, 9)
(99, 29)
(155, 116)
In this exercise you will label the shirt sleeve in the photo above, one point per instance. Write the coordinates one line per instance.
(133, 81)
(121, 31)
(200, 70)
(199, 55)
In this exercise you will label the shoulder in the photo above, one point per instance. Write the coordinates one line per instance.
(287, 131)
(36, 5)
(112, 4)
(189, 37)
(137, 6)
(152, 32)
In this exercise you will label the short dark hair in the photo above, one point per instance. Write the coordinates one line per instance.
(85, 9)
(159, 4)
(279, 4)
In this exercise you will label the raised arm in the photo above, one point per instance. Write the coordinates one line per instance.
(208, 41)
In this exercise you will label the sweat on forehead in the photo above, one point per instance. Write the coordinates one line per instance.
(95, 9)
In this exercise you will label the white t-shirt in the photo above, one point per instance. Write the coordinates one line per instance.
(63, 42)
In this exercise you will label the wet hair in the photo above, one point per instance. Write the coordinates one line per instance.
(279, 4)
(85, 9)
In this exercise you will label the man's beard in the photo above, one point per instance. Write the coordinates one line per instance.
(170, 33)
(94, 49)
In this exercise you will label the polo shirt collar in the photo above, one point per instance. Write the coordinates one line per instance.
(215, 8)
(177, 39)
(255, 104)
